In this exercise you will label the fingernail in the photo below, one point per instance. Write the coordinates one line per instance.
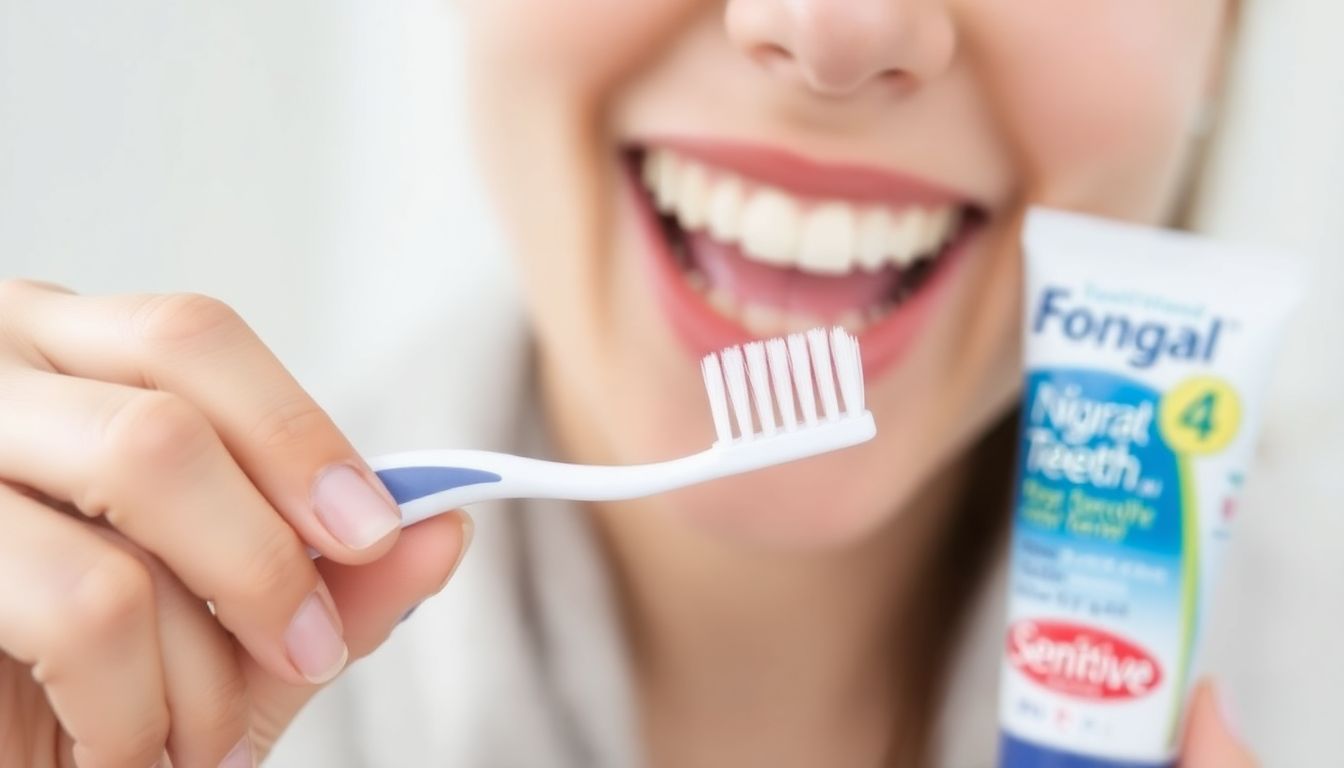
(314, 642)
(1228, 713)
(240, 756)
(408, 614)
(468, 530)
(352, 511)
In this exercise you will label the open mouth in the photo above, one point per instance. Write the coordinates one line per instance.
(758, 243)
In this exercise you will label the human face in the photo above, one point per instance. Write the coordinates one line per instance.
(886, 151)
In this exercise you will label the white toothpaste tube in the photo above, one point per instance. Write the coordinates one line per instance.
(1147, 354)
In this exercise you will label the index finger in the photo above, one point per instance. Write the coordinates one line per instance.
(200, 349)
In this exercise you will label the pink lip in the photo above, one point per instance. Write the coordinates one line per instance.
(704, 330)
(808, 178)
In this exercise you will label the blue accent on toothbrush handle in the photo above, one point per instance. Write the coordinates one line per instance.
(411, 483)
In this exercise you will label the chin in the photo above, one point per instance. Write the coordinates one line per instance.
(822, 505)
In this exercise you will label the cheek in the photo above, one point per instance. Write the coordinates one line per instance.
(1098, 101)
(540, 72)
(581, 46)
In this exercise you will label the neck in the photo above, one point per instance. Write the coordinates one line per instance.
(800, 649)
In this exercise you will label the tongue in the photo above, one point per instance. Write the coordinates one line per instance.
(787, 289)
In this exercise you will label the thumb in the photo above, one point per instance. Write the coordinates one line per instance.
(371, 600)
(1210, 738)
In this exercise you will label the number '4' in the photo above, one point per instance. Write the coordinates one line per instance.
(1198, 416)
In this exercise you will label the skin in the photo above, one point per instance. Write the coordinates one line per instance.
(149, 420)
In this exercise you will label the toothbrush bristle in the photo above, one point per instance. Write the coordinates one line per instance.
(759, 375)
(801, 364)
(734, 371)
(777, 351)
(781, 380)
(718, 397)
(819, 346)
(848, 370)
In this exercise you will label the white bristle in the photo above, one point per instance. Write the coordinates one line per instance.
(820, 348)
(778, 353)
(802, 377)
(734, 371)
(848, 370)
(759, 375)
(780, 381)
(718, 397)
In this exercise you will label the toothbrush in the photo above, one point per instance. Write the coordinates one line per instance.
(805, 391)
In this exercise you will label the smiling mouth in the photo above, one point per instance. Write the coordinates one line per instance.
(771, 243)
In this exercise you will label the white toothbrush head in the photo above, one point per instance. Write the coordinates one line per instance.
(784, 386)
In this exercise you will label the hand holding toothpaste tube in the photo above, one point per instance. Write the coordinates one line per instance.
(1211, 740)
(1145, 366)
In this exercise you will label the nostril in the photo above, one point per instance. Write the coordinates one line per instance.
(831, 76)
(771, 55)
(896, 80)
(833, 50)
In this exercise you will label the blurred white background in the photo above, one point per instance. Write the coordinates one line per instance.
(307, 161)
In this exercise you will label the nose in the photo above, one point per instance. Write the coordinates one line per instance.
(837, 47)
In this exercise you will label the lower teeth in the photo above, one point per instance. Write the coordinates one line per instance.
(765, 320)
(762, 320)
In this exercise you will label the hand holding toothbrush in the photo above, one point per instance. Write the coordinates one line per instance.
(155, 456)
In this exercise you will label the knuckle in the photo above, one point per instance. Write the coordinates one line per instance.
(15, 293)
(224, 706)
(269, 723)
(148, 740)
(179, 320)
(110, 598)
(16, 344)
(293, 420)
(16, 289)
(155, 431)
(275, 567)
(13, 290)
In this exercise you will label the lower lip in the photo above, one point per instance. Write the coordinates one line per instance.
(704, 330)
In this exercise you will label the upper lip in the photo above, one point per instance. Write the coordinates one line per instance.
(802, 176)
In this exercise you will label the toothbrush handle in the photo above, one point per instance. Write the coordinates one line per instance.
(427, 483)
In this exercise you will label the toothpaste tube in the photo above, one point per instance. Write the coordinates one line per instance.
(1147, 354)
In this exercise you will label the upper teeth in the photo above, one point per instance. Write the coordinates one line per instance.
(830, 237)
